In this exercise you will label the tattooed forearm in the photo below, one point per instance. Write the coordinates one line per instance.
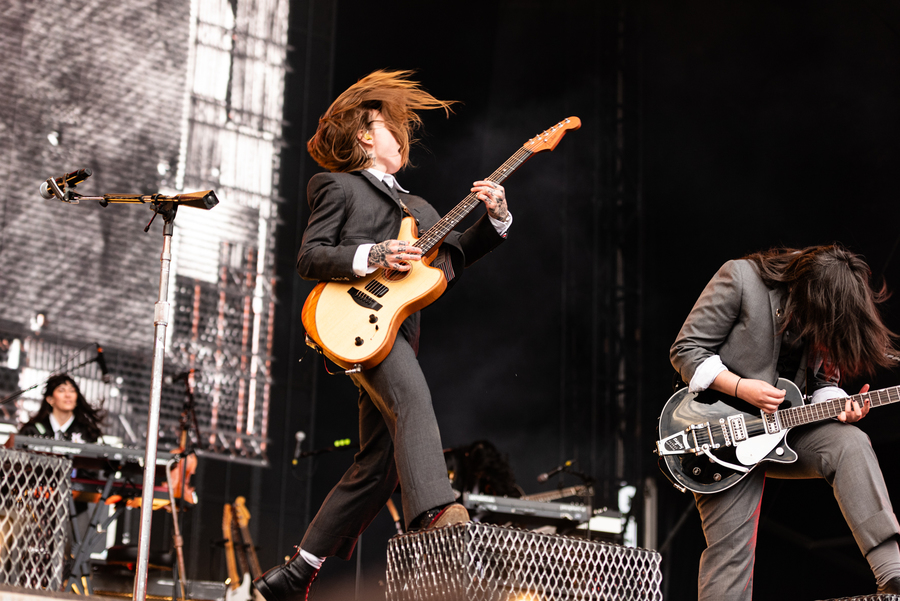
(499, 212)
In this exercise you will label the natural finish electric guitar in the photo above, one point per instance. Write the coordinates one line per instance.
(355, 324)
(709, 441)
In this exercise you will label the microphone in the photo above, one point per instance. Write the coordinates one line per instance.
(101, 362)
(300, 436)
(546, 475)
(69, 179)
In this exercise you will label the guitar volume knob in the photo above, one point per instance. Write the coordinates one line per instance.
(358, 341)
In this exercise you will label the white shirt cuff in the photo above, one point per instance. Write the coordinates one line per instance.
(827, 393)
(361, 260)
(706, 373)
(501, 226)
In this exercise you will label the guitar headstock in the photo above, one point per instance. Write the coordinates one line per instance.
(241, 512)
(551, 137)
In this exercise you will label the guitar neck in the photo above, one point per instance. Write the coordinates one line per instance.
(439, 230)
(805, 414)
(553, 495)
(255, 568)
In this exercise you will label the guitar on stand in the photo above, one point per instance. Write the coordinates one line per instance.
(240, 552)
(237, 589)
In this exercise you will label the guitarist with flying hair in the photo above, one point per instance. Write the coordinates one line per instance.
(363, 140)
(809, 316)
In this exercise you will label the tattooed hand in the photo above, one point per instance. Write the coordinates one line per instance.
(494, 197)
(394, 254)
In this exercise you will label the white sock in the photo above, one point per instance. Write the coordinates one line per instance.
(885, 561)
(312, 560)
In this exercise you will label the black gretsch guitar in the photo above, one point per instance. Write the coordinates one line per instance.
(709, 441)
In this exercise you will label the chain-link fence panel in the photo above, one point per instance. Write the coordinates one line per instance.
(483, 562)
(34, 501)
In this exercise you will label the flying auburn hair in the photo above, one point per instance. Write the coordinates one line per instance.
(335, 145)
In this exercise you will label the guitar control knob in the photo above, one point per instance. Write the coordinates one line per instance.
(696, 471)
(358, 341)
(373, 318)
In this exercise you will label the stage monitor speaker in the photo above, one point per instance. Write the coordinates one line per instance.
(484, 562)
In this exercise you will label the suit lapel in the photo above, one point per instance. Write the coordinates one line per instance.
(775, 303)
(381, 187)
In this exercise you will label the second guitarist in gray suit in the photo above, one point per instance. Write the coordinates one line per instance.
(363, 140)
(809, 316)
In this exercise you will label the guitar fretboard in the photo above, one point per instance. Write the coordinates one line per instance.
(439, 230)
(797, 416)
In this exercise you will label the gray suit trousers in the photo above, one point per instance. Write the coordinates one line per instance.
(841, 454)
(399, 442)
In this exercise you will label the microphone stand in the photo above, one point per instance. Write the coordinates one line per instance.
(166, 207)
(589, 483)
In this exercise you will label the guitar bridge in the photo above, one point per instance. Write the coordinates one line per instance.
(696, 439)
(363, 300)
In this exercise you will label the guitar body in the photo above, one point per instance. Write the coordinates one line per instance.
(737, 435)
(356, 323)
(242, 592)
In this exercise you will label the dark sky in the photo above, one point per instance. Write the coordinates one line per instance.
(752, 124)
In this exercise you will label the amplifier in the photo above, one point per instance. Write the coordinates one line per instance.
(485, 562)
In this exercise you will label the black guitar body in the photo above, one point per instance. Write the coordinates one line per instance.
(709, 441)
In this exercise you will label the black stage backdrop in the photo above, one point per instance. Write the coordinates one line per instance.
(743, 125)
(747, 125)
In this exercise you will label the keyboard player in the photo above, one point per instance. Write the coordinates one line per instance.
(64, 413)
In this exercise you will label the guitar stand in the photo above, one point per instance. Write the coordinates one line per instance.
(166, 207)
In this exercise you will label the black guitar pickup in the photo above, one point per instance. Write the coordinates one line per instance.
(363, 300)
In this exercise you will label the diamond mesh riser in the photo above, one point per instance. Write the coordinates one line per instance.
(869, 598)
(34, 500)
(483, 562)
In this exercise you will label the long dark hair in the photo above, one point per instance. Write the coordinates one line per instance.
(85, 415)
(831, 304)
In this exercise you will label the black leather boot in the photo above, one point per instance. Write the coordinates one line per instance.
(454, 513)
(287, 582)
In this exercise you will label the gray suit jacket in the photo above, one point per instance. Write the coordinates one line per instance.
(737, 317)
(349, 209)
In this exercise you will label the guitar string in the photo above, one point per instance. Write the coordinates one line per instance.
(462, 209)
(796, 416)
(439, 231)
